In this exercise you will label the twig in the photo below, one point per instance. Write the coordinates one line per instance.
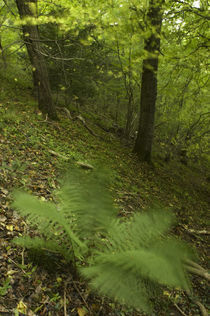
(23, 251)
(64, 301)
(198, 232)
(17, 265)
(179, 309)
(5, 2)
(76, 288)
(58, 58)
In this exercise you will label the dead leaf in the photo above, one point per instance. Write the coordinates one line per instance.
(3, 218)
(4, 191)
(10, 228)
(81, 311)
(22, 307)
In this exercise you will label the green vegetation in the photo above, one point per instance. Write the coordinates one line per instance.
(126, 258)
(119, 89)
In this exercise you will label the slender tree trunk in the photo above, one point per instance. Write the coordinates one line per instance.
(117, 108)
(27, 8)
(130, 111)
(143, 145)
(2, 55)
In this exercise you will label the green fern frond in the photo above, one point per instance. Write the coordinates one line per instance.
(46, 216)
(142, 230)
(137, 250)
(124, 287)
(38, 243)
(124, 259)
(86, 195)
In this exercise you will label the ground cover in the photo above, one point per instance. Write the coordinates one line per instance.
(34, 154)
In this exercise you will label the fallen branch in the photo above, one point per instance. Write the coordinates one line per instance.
(50, 122)
(65, 110)
(84, 165)
(202, 309)
(81, 119)
(198, 232)
(200, 305)
(57, 154)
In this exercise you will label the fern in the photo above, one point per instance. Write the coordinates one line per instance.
(50, 222)
(75, 220)
(92, 205)
(137, 256)
(126, 260)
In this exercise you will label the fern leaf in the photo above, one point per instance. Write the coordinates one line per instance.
(85, 194)
(138, 254)
(41, 244)
(111, 281)
(44, 214)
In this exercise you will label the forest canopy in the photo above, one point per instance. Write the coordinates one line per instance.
(142, 64)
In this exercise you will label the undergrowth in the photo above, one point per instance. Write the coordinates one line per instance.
(124, 259)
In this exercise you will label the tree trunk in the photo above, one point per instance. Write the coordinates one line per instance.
(129, 117)
(27, 8)
(2, 54)
(143, 145)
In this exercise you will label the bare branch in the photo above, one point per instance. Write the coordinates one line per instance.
(10, 10)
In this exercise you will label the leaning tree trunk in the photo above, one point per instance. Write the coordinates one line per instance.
(27, 8)
(143, 145)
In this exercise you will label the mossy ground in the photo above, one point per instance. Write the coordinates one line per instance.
(26, 162)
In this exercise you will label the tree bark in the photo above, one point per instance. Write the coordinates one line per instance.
(2, 55)
(27, 8)
(143, 145)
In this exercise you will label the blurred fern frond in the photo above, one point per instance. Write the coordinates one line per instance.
(126, 259)
(137, 257)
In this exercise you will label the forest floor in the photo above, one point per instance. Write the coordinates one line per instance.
(33, 155)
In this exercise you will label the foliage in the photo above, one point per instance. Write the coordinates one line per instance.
(94, 52)
(125, 260)
(4, 288)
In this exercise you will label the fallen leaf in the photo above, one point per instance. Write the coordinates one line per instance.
(22, 307)
(9, 227)
(2, 218)
(81, 311)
